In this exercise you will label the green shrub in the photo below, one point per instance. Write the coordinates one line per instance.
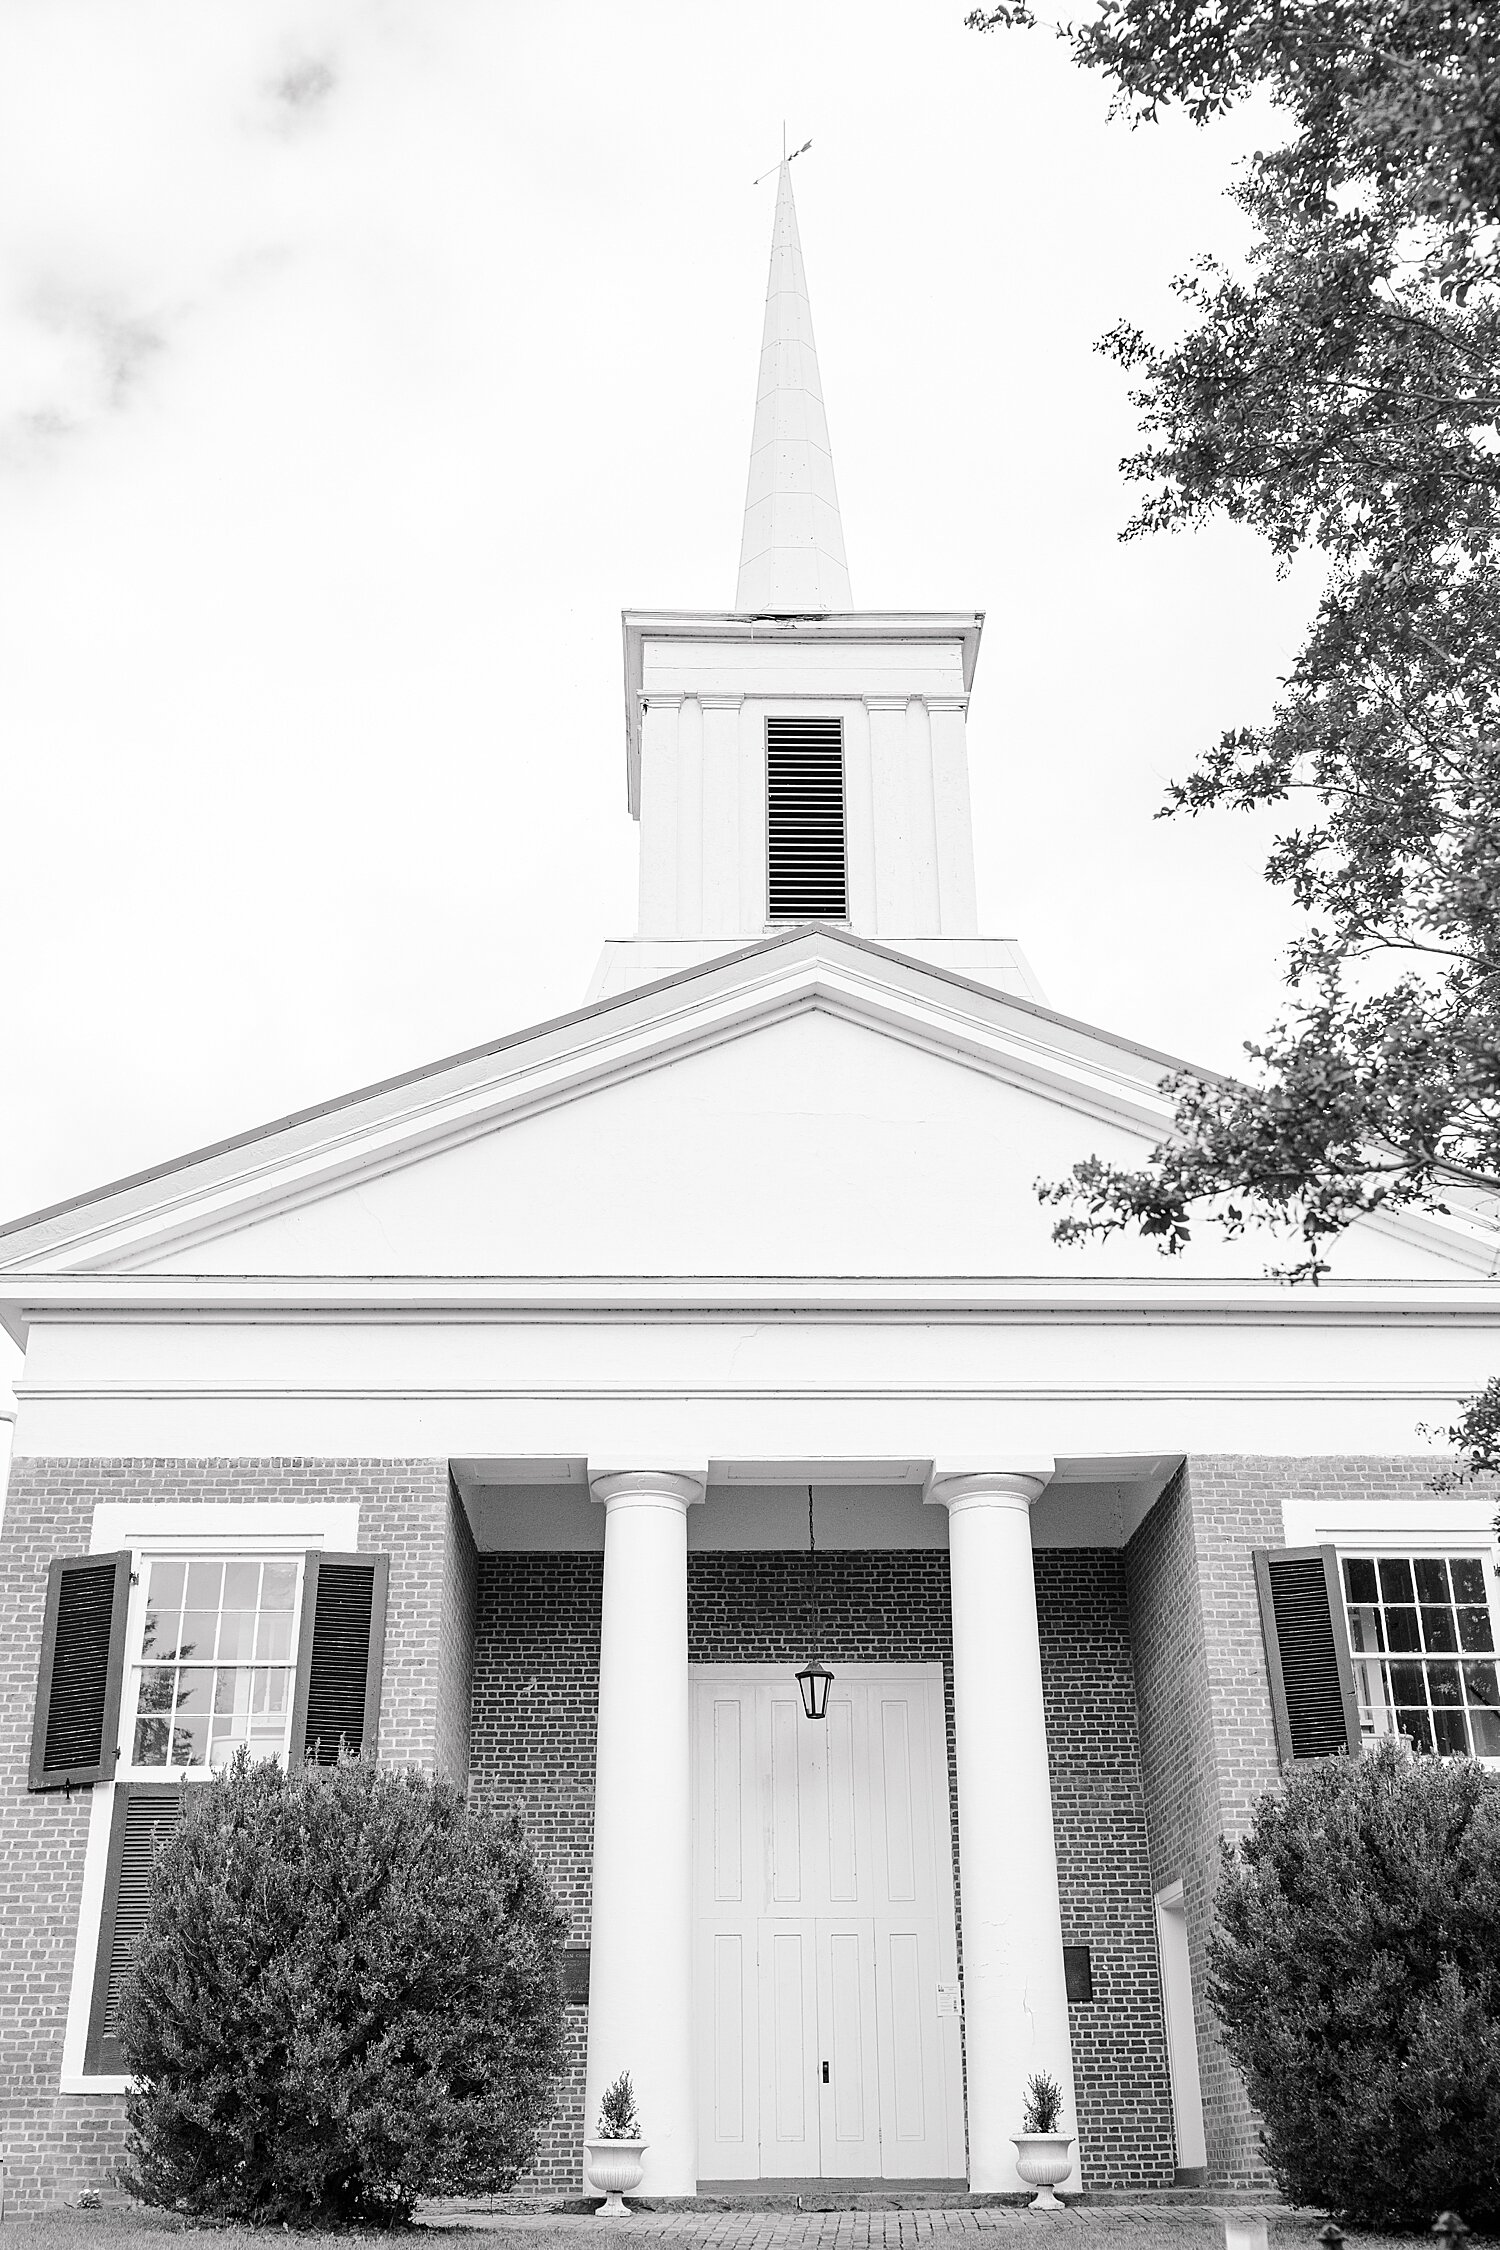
(347, 1995)
(1356, 1974)
(618, 2120)
(1042, 2106)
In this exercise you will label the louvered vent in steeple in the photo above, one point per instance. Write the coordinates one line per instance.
(805, 820)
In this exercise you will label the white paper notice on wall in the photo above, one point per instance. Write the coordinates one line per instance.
(947, 1996)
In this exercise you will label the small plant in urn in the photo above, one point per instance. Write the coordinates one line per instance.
(614, 2155)
(1042, 2152)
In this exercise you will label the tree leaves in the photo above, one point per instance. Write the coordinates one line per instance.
(1342, 395)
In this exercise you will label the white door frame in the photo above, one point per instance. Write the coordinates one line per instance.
(1182, 2028)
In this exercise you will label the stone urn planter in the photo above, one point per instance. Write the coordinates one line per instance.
(1042, 2159)
(615, 2168)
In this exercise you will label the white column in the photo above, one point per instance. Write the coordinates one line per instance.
(1015, 2000)
(641, 1967)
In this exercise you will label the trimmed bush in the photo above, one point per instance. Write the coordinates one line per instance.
(347, 1995)
(1356, 1975)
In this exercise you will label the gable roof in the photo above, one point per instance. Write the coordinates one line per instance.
(314, 1152)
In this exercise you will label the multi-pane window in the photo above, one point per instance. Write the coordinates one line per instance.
(214, 1665)
(1422, 1639)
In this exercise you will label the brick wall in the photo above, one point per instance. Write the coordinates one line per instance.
(1206, 1731)
(55, 2144)
(536, 1682)
(1134, 1809)
(1208, 1747)
(52, 2144)
(1103, 1867)
(458, 1615)
(536, 1704)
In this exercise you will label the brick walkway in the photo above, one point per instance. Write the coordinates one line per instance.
(1094, 2227)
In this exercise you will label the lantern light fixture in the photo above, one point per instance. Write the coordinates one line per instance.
(814, 1679)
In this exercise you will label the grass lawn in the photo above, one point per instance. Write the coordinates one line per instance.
(1086, 2229)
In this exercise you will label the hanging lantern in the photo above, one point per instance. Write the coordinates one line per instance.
(814, 1679)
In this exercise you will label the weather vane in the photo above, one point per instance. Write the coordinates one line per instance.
(785, 159)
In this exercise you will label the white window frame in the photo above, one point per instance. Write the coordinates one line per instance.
(1446, 1524)
(247, 1549)
(252, 1527)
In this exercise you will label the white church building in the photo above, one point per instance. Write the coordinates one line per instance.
(478, 1417)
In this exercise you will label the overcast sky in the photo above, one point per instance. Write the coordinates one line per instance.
(360, 362)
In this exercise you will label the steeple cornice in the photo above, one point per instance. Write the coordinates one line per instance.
(913, 627)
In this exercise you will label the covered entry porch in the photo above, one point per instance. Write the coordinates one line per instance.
(771, 1909)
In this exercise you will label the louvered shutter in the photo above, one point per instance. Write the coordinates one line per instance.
(144, 1815)
(1307, 1652)
(337, 1699)
(805, 820)
(74, 1736)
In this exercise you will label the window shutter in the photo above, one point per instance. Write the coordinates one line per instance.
(805, 820)
(1307, 1652)
(144, 1816)
(342, 1643)
(74, 1736)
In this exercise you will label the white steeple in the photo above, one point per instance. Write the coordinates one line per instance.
(792, 553)
(792, 761)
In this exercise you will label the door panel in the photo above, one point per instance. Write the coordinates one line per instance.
(729, 2036)
(727, 1787)
(850, 2101)
(913, 2074)
(896, 1799)
(726, 1985)
(842, 1794)
(786, 1764)
(789, 2131)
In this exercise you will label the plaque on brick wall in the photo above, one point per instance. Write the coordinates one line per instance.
(575, 1975)
(1078, 1972)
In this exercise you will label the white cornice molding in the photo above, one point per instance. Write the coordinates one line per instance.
(1165, 1300)
(791, 699)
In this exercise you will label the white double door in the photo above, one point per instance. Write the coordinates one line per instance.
(825, 1972)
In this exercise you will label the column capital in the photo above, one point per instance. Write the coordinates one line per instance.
(679, 1487)
(971, 1484)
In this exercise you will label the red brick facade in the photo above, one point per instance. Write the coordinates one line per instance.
(55, 2144)
(1208, 1747)
(537, 1653)
(1157, 1704)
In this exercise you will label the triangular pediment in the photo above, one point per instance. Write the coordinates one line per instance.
(813, 1106)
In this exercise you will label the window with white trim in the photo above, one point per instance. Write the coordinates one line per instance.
(1422, 1639)
(213, 1657)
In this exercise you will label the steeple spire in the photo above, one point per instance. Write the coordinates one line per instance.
(792, 553)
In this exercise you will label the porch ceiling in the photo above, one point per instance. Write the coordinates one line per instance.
(543, 1506)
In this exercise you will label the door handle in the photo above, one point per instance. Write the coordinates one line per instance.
(825, 2074)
